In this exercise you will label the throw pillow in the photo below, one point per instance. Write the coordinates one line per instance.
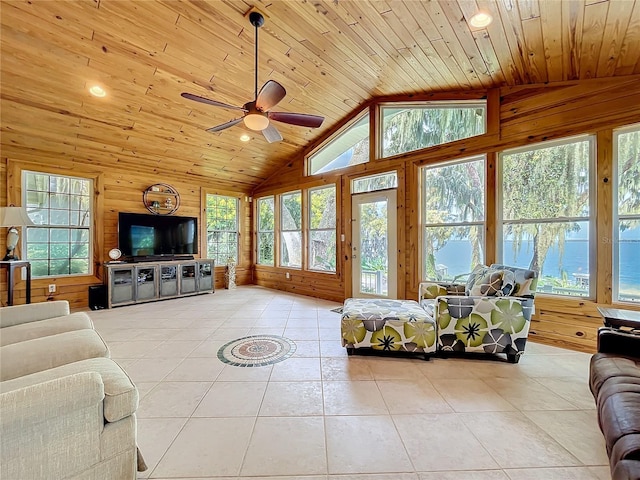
(478, 272)
(494, 283)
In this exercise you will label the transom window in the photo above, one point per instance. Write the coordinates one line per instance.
(291, 229)
(322, 229)
(372, 183)
(626, 246)
(61, 209)
(408, 127)
(546, 213)
(266, 234)
(222, 229)
(349, 147)
(453, 218)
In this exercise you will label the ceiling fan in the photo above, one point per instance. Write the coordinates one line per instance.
(256, 113)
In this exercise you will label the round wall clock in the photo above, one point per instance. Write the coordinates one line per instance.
(115, 254)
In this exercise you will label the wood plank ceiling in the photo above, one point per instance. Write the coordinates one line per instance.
(330, 55)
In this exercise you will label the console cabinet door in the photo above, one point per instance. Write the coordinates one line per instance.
(168, 280)
(205, 276)
(121, 286)
(187, 278)
(146, 283)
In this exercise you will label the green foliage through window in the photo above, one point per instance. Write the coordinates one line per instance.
(222, 228)
(453, 198)
(266, 234)
(291, 229)
(411, 127)
(322, 229)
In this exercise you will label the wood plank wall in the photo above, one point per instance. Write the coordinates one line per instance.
(116, 192)
(517, 116)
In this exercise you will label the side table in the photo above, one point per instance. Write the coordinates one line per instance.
(617, 317)
(11, 266)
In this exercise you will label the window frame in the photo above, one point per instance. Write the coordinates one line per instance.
(308, 159)
(425, 105)
(272, 231)
(236, 231)
(422, 215)
(615, 250)
(282, 230)
(590, 220)
(90, 228)
(309, 230)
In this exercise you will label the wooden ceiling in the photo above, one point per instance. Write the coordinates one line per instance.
(330, 55)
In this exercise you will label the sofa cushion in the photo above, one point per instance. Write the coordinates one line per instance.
(44, 328)
(626, 470)
(121, 395)
(605, 366)
(526, 281)
(31, 356)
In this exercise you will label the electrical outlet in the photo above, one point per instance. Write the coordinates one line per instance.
(52, 288)
(287, 275)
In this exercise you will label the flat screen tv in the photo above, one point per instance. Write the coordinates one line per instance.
(143, 235)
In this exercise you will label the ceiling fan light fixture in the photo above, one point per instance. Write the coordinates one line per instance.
(481, 19)
(256, 121)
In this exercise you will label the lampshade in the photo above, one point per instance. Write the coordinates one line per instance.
(14, 217)
(256, 121)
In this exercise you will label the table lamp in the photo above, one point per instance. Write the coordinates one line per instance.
(13, 217)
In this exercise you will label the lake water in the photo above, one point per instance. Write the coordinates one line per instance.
(456, 255)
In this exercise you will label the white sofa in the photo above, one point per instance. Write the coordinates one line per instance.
(67, 411)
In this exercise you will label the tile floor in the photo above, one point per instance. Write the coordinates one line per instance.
(321, 415)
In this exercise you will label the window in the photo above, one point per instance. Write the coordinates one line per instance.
(291, 229)
(453, 215)
(626, 262)
(322, 229)
(222, 229)
(348, 147)
(266, 224)
(373, 183)
(61, 209)
(546, 214)
(411, 127)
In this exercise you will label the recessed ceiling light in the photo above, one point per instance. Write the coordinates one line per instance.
(244, 137)
(481, 20)
(97, 91)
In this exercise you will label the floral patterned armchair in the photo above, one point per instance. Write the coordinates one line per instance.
(491, 313)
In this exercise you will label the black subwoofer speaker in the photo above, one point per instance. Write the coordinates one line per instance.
(97, 297)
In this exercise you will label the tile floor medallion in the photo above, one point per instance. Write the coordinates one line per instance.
(256, 351)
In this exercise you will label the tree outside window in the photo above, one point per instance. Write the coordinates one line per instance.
(266, 234)
(222, 228)
(60, 207)
(414, 126)
(627, 217)
(322, 229)
(291, 229)
(453, 217)
(546, 214)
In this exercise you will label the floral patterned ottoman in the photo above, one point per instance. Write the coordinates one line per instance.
(391, 325)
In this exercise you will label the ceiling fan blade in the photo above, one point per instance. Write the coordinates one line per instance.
(272, 134)
(270, 94)
(197, 98)
(300, 119)
(225, 125)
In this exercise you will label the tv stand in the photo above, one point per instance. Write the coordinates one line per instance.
(148, 281)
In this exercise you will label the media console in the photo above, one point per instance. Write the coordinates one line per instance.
(129, 283)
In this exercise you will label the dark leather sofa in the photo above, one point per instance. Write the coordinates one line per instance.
(614, 380)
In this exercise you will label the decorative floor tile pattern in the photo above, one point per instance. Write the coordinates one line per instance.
(320, 415)
(256, 350)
